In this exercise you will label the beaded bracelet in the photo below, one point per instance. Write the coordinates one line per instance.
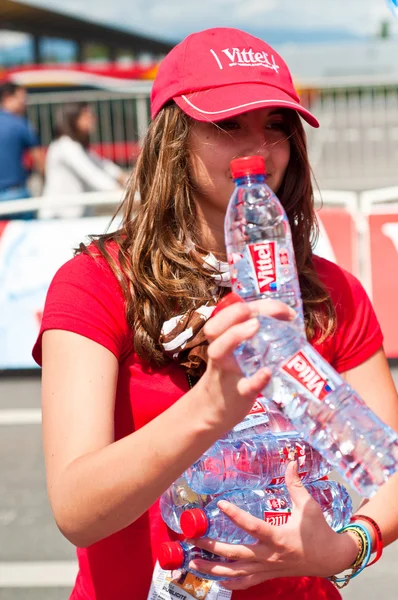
(377, 533)
(362, 557)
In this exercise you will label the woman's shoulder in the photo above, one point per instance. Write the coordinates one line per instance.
(90, 267)
(62, 144)
(357, 335)
(85, 297)
(337, 280)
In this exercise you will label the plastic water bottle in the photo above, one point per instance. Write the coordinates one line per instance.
(263, 418)
(254, 463)
(324, 409)
(177, 498)
(272, 505)
(177, 555)
(259, 240)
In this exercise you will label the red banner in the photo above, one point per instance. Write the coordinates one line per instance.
(383, 241)
(338, 240)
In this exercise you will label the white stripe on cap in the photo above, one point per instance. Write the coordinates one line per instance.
(225, 110)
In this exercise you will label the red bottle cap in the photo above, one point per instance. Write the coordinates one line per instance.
(247, 165)
(170, 555)
(229, 299)
(194, 523)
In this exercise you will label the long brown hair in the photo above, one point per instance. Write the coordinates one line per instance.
(157, 272)
(66, 118)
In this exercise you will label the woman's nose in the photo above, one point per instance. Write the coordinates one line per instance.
(258, 143)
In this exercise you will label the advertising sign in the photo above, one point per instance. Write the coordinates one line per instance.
(30, 254)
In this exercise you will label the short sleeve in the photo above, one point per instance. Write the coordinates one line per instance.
(85, 298)
(358, 335)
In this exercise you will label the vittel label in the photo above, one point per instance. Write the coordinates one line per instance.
(276, 518)
(262, 256)
(257, 408)
(302, 370)
(277, 481)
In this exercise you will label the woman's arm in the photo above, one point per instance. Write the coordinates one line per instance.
(98, 486)
(110, 168)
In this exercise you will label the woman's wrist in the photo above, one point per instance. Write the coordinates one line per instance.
(348, 547)
(211, 409)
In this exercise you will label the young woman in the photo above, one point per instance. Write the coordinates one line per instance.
(71, 167)
(121, 418)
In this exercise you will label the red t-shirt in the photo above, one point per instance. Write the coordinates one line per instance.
(85, 297)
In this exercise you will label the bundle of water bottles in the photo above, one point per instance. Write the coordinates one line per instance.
(308, 412)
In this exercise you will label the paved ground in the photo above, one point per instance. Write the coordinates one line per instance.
(36, 563)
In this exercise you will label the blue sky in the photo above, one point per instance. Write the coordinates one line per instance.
(173, 19)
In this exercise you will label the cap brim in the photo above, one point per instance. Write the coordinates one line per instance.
(230, 100)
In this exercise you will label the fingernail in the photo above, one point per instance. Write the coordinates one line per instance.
(222, 504)
(292, 314)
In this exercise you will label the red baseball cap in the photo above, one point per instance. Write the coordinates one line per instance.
(222, 72)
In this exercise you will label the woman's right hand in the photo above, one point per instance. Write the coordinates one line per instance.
(228, 393)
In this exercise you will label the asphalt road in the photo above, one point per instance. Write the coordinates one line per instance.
(36, 562)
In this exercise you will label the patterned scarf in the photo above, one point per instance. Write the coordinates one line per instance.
(182, 336)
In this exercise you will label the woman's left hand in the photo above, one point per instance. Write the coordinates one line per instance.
(304, 546)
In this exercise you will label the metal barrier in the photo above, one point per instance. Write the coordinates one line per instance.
(93, 199)
(122, 118)
(356, 147)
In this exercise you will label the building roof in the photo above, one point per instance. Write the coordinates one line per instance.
(18, 16)
(350, 62)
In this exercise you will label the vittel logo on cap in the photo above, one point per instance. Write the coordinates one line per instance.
(245, 57)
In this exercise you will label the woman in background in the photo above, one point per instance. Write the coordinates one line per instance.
(71, 168)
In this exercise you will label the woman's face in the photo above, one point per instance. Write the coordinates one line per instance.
(85, 122)
(212, 146)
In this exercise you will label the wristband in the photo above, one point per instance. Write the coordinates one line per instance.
(362, 557)
(377, 533)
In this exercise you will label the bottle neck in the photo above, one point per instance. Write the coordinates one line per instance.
(252, 178)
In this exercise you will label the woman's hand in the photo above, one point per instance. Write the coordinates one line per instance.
(304, 546)
(229, 395)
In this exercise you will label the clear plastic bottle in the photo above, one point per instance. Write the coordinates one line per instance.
(272, 505)
(259, 240)
(254, 463)
(329, 415)
(177, 498)
(177, 555)
(324, 409)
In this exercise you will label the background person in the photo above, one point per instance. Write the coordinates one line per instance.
(16, 138)
(121, 416)
(71, 167)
